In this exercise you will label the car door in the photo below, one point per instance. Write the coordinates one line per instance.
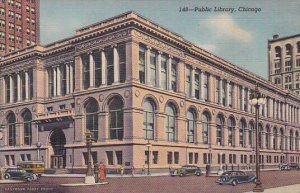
(243, 177)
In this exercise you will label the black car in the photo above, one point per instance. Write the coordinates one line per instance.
(290, 166)
(235, 177)
(19, 174)
(187, 170)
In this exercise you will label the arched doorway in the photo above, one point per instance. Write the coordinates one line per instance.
(58, 142)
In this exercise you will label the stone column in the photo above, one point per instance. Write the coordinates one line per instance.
(225, 133)
(26, 85)
(92, 70)
(132, 61)
(211, 88)
(198, 136)
(78, 73)
(243, 97)
(11, 89)
(102, 136)
(158, 70)
(19, 91)
(58, 74)
(160, 122)
(181, 133)
(193, 82)
(227, 93)
(104, 68)
(67, 78)
(148, 53)
(116, 65)
(212, 133)
(169, 73)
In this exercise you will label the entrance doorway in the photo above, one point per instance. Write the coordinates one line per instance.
(58, 142)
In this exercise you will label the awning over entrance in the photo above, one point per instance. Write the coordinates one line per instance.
(58, 116)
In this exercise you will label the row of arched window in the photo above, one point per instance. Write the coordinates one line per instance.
(288, 48)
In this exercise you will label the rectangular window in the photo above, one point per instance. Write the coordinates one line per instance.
(122, 62)
(110, 157)
(197, 84)
(206, 86)
(241, 97)
(191, 158)
(223, 158)
(170, 157)
(153, 63)
(188, 73)
(176, 157)
(242, 159)
(234, 158)
(63, 79)
(142, 65)
(85, 158)
(119, 155)
(224, 92)
(86, 71)
(50, 82)
(7, 162)
(230, 158)
(218, 93)
(7, 89)
(15, 87)
(204, 158)
(230, 95)
(30, 77)
(23, 83)
(22, 156)
(13, 161)
(155, 157)
(246, 100)
(28, 157)
(196, 156)
(174, 75)
(98, 68)
(163, 72)
(147, 157)
(110, 65)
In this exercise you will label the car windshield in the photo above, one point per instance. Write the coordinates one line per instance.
(226, 173)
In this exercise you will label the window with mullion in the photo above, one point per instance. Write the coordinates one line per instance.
(23, 88)
(63, 79)
(197, 85)
(163, 72)
(122, 62)
(260, 130)
(220, 126)
(116, 124)
(15, 87)
(92, 124)
(223, 92)
(251, 130)
(7, 89)
(230, 95)
(206, 126)
(206, 87)
(98, 68)
(268, 138)
(153, 63)
(188, 71)
(231, 130)
(174, 75)
(149, 125)
(110, 65)
(218, 92)
(12, 134)
(191, 125)
(30, 77)
(50, 82)
(86, 71)
(242, 133)
(142, 64)
(275, 135)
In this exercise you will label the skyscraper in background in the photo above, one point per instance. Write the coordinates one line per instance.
(19, 24)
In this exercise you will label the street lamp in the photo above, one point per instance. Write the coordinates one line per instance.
(257, 99)
(38, 146)
(148, 145)
(89, 178)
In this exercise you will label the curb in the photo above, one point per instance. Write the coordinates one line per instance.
(83, 184)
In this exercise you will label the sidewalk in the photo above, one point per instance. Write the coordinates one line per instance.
(295, 188)
(11, 181)
(108, 175)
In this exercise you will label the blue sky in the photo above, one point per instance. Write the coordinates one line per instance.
(238, 37)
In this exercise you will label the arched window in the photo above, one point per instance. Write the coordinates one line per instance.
(220, 129)
(191, 125)
(268, 135)
(278, 52)
(289, 49)
(206, 127)
(231, 131)
(251, 132)
(170, 122)
(27, 118)
(116, 124)
(281, 147)
(91, 115)
(260, 130)
(11, 120)
(297, 140)
(275, 136)
(291, 140)
(242, 131)
(149, 115)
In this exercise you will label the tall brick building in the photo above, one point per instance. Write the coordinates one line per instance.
(19, 24)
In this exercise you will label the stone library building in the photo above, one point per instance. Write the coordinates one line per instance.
(147, 95)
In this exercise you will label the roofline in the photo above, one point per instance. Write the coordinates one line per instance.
(283, 38)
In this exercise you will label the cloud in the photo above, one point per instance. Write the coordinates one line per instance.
(225, 27)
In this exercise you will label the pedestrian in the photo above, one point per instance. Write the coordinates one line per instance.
(96, 172)
(132, 170)
(102, 172)
(143, 170)
(207, 170)
(121, 170)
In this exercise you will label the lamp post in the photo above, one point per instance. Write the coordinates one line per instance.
(148, 145)
(89, 178)
(257, 99)
(38, 146)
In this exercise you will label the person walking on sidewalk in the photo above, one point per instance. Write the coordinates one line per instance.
(207, 170)
(102, 172)
(143, 170)
(121, 170)
(132, 170)
(96, 172)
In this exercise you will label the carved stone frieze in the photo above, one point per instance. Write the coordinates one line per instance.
(104, 39)
(62, 58)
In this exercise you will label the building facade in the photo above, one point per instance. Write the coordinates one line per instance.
(19, 24)
(284, 62)
(133, 83)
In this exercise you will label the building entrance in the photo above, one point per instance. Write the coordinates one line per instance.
(58, 141)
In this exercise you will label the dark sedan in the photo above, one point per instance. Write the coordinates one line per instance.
(19, 174)
(235, 177)
(187, 170)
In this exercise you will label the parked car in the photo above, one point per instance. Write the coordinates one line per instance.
(187, 170)
(19, 174)
(235, 177)
(290, 166)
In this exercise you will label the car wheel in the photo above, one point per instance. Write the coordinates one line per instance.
(181, 174)
(198, 174)
(234, 182)
(255, 180)
(6, 176)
